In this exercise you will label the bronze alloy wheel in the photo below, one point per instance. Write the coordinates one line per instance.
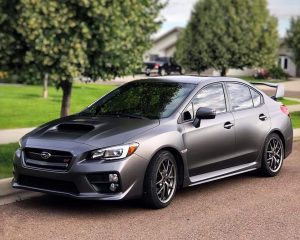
(165, 180)
(274, 154)
(161, 180)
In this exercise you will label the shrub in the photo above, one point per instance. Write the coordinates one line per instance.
(277, 73)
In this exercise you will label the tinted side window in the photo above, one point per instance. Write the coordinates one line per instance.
(256, 98)
(240, 96)
(211, 96)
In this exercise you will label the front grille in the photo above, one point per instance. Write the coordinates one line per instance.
(48, 159)
(47, 184)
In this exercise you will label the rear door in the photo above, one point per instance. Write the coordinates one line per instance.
(211, 146)
(252, 122)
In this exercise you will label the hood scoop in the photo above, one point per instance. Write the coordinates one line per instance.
(74, 127)
(68, 130)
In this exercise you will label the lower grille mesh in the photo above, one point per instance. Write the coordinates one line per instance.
(47, 184)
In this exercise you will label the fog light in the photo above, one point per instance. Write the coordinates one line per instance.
(113, 187)
(18, 153)
(113, 177)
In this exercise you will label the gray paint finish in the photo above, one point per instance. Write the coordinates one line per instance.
(206, 153)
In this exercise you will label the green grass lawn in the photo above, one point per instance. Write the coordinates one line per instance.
(295, 119)
(288, 101)
(23, 106)
(6, 156)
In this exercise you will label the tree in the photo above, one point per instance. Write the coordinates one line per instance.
(228, 34)
(45, 86)
(73, 38)
(293, 39)
(12, 44)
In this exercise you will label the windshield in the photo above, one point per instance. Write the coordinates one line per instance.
(142, 100)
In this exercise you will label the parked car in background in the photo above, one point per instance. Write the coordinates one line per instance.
(262, 73)
(150, 137)
(162, 66)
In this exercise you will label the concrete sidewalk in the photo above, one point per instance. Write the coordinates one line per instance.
(296, 133)
(13, 135)
(294, 108)
(122, 80)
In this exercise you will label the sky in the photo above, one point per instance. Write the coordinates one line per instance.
(177, 13)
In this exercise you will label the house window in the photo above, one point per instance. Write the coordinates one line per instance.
(283, 62)
(285, 66)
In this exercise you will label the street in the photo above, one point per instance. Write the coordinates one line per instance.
(241, 207)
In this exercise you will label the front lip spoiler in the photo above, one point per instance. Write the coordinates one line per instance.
(86, 196)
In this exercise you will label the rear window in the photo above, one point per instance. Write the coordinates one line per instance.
(256, 97)
(240, 96)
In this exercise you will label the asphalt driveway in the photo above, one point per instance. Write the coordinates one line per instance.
(241, 207)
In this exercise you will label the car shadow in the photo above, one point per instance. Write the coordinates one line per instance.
(65, 205)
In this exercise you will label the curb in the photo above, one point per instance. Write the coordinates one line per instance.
(296, 133)
(296, 139)
(10, 195)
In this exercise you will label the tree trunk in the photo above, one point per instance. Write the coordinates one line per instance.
(45, 87)
(223, 72)
(66, 98)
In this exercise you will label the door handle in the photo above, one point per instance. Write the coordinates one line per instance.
(262, 117)
(228, 125)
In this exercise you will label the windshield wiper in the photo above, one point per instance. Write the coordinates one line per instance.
(87, 114)
(129, 115)
(132, 115)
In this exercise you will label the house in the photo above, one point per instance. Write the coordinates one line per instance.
(286, 60)
(165, 46)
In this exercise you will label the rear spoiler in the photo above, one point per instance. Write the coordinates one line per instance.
(279, 88)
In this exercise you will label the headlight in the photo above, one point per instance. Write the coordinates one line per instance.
(20, 143)
(115, 152)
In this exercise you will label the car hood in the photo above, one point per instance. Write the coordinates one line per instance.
(97, 132)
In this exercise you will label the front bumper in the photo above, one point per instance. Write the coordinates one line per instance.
(75, 181)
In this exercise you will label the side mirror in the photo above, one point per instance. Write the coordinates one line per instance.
(203, 113)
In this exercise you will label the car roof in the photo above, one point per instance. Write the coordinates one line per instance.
(191, 79)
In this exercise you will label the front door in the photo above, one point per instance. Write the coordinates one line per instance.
(211, 146)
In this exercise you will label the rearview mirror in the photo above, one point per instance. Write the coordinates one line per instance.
(203, 113)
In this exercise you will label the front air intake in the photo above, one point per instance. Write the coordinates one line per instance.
(74, 127)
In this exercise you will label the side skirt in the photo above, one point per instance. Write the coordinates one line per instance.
(228, 172)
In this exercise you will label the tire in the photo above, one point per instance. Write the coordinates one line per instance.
(148, 71)
(160, 180)
(162, 72)
(273, 155)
